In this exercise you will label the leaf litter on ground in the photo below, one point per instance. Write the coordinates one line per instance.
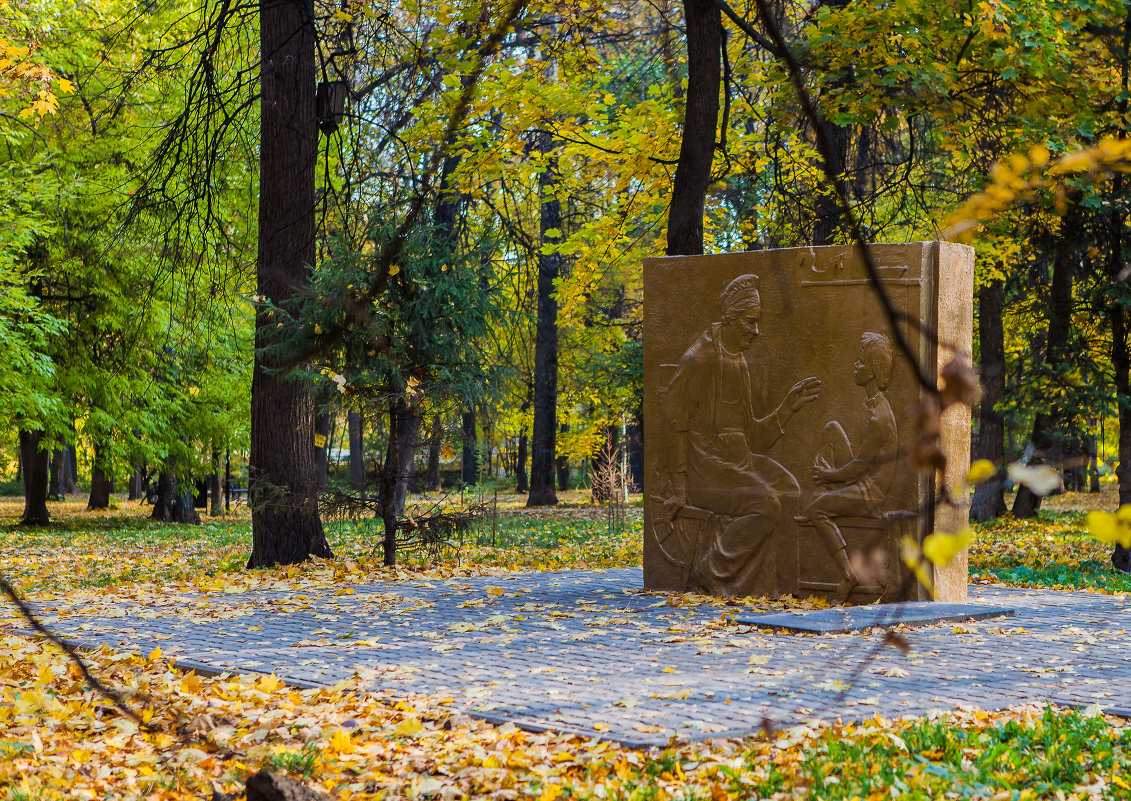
(58, 739)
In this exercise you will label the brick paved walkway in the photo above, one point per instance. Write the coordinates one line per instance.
(588, 652)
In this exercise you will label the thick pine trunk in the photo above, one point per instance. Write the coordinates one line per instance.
(55, 476)
(357, 453)
(174, 501)
(1121, 364)
(634, 443)
(137, 483)
(101, 484)
(700, 127)
(435, 446)
(322, 454)
(839, 137)
(989, 496)
(1046, 437)
(214, 490)
(543, 445)
(388, 489)
(561, 464)
(828, 210)
(36, 470)
(523, 480)
(404, 429)
(286, 527)
(71, 476)
(469, 472)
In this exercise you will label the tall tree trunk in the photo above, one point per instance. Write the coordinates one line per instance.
(828, 210)
(322, 453)
(1117, 309)
(137, 482)
(1046, 428)
(286, 527)
(523, 482)
(100, 483)
(389, 488)
(407, 431)
(1121, 367)
(215, 493)
(1093, 454)
(36, 477)
(634, 436)
(357, 454)
(55, 476)
(839, 137)
(989, 496)
(544, 440)
(700, 127)
(174, 502)
(71, 474)
(469, 472)
(561, 464)
(435, 447)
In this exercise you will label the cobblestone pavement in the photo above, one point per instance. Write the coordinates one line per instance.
(589, 652)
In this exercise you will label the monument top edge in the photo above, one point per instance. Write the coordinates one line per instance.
(813, 248)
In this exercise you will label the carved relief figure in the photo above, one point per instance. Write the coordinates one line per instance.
(715, 440)
(852, 481)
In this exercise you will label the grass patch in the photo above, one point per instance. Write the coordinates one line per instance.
(301, 763)
(1059, 752)
(1051, 550)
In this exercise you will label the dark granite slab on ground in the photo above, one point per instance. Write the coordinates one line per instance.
(846, 619)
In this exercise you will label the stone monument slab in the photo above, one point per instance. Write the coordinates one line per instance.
(780, 417)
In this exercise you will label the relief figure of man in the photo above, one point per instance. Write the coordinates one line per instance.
(852, 481)
(716, 444)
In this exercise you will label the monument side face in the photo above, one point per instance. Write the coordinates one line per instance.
(956, 328)
(779, 418)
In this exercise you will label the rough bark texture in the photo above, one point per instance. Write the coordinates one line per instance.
(137, 483)
(174, 502)
(1121, 364)
(322, 455)
(700, 127)
(1117, 315)
(55, 476)
(388, 489)
(285, 524)
(989, 496)
(36, 475)
(522, 478)
(469, 473)
(357, 454)
(543, 445)
(1121, 367)
(215, 492)
(1046, 427)
(435, 446)
(561, 464)
(404, 428)
(100, 484)
(828, 212)
(71, 474)
(634, 442)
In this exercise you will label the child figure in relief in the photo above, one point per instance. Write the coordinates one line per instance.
(852, 481)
